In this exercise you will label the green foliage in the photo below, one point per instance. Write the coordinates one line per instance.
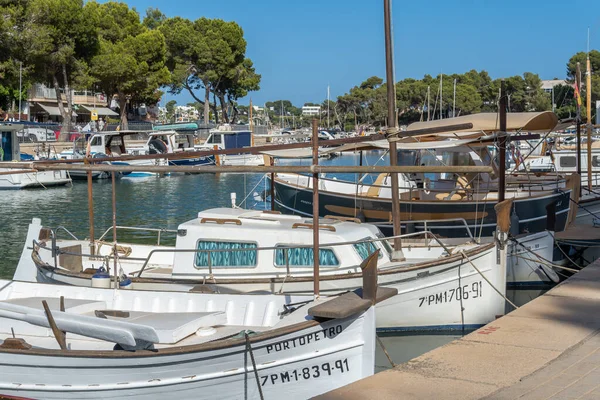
(131, 61)
(154, 18)
(209, 54)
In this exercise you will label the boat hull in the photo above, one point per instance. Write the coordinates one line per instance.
(295, 363)
(479, 216)
(428, 296)
(38, 179)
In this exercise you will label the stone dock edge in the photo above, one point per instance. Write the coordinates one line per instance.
(542, 350)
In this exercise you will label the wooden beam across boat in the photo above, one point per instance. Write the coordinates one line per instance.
(260, 149)
(212, 169)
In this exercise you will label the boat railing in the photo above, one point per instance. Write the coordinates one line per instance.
(426, 227)
(68, 232)
(55, 251)
(158, 231)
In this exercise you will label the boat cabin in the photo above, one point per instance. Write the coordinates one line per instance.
(230, 238)
(9, 143)
(436, 183)
(161, 142)
(110, 143)
(228, 139)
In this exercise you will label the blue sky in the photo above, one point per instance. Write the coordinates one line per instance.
(300, 47)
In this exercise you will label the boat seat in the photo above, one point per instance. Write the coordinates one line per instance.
(448, 196)
(376, 189)
(115, 150)
(170, 327)
(72, 306)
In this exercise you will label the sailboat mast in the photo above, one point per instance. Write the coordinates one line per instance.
(327, 106)
(588, 91)
(428, 103)
(454, 101)
(392, 126)
(441, 95)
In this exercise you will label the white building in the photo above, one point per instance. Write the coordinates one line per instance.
(548, 85)
(311, 110)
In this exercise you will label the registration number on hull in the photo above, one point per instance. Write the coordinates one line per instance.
(465, 292)
(307, 373)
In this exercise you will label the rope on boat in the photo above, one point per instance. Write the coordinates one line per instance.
(579, 204)
(252, 190)
(548, 262)
(392, 363)
(565, 254)
(249, 349)
(488, 281)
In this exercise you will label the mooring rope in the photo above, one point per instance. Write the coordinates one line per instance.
(488, 281)
(249, 349)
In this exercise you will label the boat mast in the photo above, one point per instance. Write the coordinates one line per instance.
(327, 106)
(588, 92)
(441, 95)
(315, 201)
(454, 101)
(502, 144)
(428, 103)
(392, 125)
(578, 118)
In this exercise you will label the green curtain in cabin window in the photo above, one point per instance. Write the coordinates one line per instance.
(303, 257)
(226, 259)
(365, 249)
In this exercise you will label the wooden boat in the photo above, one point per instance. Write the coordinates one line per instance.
(448, 202)
(225, 138)
(23, 179)
(105, 343)
(241, 251)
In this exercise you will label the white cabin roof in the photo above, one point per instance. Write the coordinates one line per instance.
(252, 221)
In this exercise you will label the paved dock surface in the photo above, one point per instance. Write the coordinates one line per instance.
(547, 349)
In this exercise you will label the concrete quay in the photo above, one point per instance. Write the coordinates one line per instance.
(547, 349)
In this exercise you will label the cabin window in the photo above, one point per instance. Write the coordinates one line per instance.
(595, 161)
(568, 162)
(215, 138)
(237, 257)
(96, 141)
(303, 257)
(365, 249)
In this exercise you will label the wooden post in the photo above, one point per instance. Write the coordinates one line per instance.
(502, 144)
(588, 93)
(392, 126)
(91, 207)
(114, 221)
(578, 83)
(315, 182)
(272, 162)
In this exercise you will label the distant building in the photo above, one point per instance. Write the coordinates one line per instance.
(311, 110)
(258, 109)
(43, 105)
(548, 85)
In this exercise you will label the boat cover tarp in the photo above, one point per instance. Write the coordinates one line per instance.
(486, 123)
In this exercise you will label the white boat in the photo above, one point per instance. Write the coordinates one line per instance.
(112, 144)
(12, 179)
(225, 138)
(241, 251)
(173, 142)
(102, 343)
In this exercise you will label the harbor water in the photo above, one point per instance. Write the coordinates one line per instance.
(165, 203)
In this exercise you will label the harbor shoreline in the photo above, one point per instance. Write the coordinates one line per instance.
(538, 351)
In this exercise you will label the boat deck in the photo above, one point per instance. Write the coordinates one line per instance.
(547, 349)
(579, 234)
